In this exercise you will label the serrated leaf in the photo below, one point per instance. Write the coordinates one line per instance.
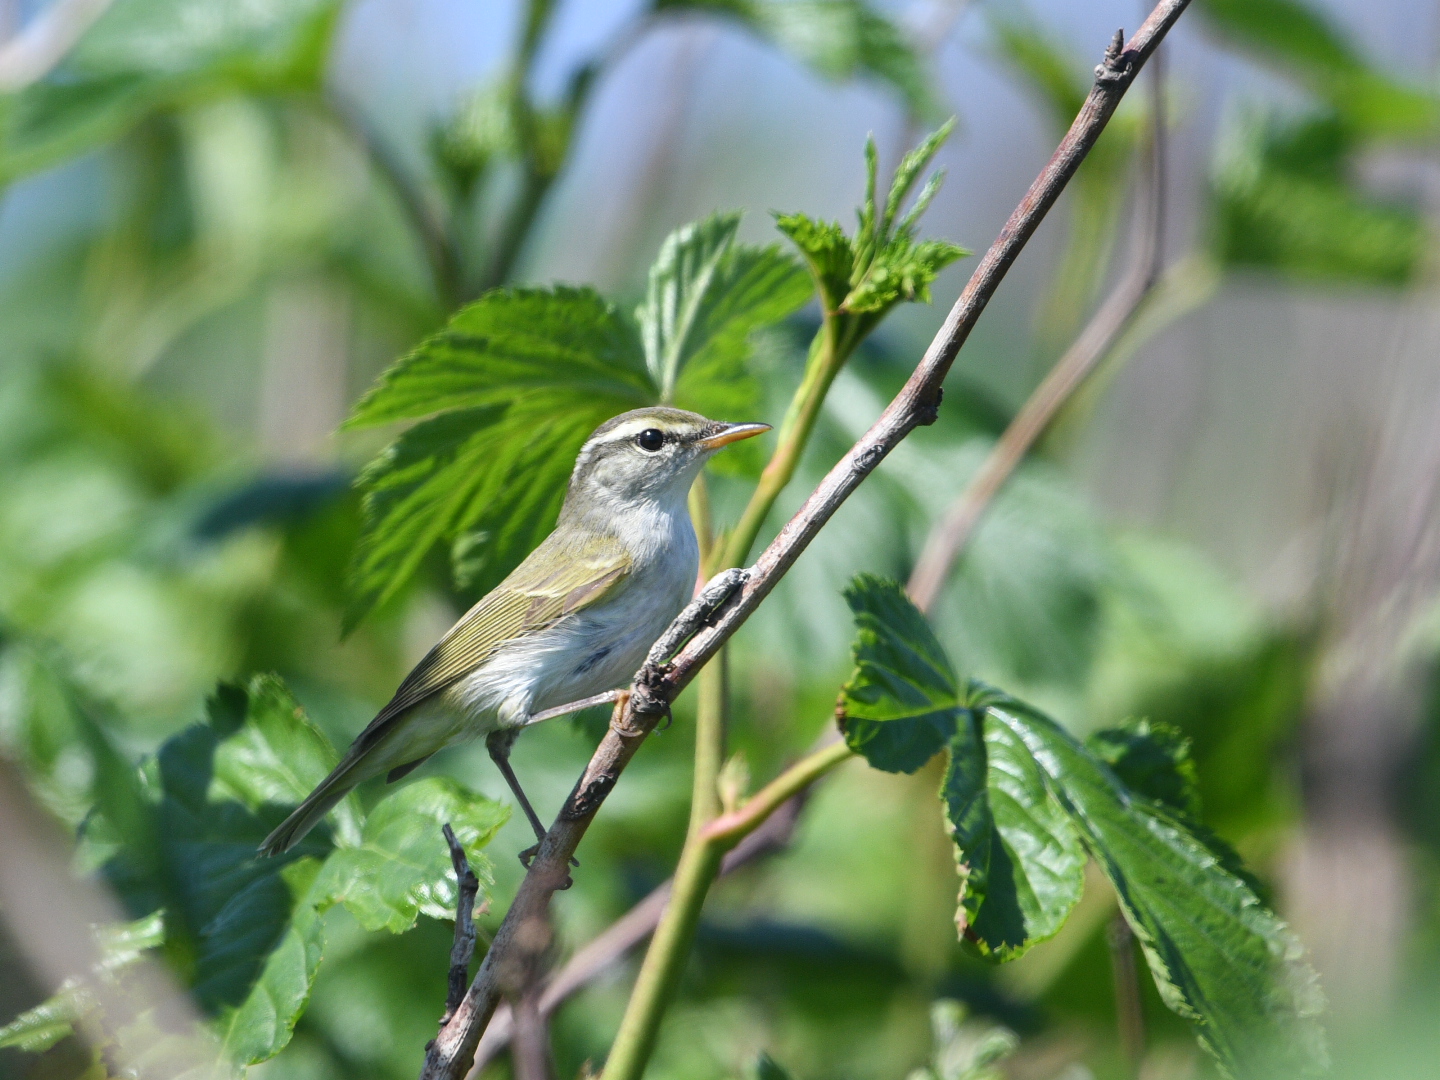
(147, 55)
(1025, 864)
(1152, 760)
(518, 379)
(840, 39)
(261, 1025)
(827, 251)
(401, 868)
(706, 295)
(901, 703)
(1217, 954)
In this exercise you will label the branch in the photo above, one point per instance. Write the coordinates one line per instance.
(916, 404)
(605, 950)
(464, 948)
(950, 536)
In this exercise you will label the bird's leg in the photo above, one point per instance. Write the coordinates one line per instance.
(499, 744)
(573, 706)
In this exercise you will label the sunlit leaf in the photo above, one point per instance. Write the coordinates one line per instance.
(261, 1025)
(512, 388)
(840, 39)
(401, 867)
(1024, 870)
(146, 55)
(1218, 955)
(901, 703)
(1152, 760)
(36, 1030)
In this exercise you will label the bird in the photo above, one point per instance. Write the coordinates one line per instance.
(574, 620)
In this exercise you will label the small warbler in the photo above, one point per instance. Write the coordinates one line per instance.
(576, 618)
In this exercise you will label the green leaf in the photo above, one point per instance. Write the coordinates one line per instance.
(1022, 864)
(966, 1049)
(261, 1025)
(1019, 858)
(1218, 956)
(274, 756)
(1284, 202)
(401, 867)
(1152, 760)
(512, 386)
(901, 703)
(767, 1068)
(142, 56)
(1303, 43)
(840, 39)
(36, 1030)
(706, 295)
(860, 280)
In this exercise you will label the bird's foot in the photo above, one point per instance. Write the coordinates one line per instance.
(528, 856)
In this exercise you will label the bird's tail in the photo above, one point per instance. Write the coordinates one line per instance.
(316, 805)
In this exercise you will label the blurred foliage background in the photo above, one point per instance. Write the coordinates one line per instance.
(221, 220)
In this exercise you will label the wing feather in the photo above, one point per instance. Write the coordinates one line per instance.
(560, 577)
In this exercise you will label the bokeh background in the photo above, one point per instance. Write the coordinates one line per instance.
(1234, 528)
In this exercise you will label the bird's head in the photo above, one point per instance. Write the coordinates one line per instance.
(647, 454)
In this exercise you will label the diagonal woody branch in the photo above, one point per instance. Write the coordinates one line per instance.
(450, 1054)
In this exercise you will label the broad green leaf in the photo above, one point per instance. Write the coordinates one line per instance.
(1301, 41)
(401, 867)
(147, 55)
(1218, 956)
(840, 39)
(902, 701)
(1018, 856)
(706, 295)
(1152, 760)
(827, 252)
(1026, 870)
(274, 756)
(512, 387)
(261, 1025)
(1283, 202)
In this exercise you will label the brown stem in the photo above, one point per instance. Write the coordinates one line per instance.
(453, 1050)
(604, 951)
(945, 542)
(1129, 1009)
(464, 948)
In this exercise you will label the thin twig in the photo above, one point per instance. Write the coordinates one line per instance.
(464, 948)
(654, 688)
(945, 542)
(605, 950)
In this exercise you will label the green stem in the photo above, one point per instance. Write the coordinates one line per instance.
(710, 723)
(699, 866)
(828, 352)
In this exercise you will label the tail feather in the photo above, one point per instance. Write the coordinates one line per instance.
(308, 814)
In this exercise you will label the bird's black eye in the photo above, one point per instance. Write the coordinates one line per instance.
(650, 440)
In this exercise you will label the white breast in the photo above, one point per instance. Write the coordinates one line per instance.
(595, 649)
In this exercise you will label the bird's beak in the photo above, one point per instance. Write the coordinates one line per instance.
(731, 433)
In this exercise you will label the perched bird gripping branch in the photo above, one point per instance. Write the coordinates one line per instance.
(574, 620)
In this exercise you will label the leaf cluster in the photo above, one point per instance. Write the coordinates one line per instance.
(860, 278)
(1026, 804)
(503, 397)
(177, 838)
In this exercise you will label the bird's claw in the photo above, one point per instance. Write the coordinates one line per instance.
(528, 856)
